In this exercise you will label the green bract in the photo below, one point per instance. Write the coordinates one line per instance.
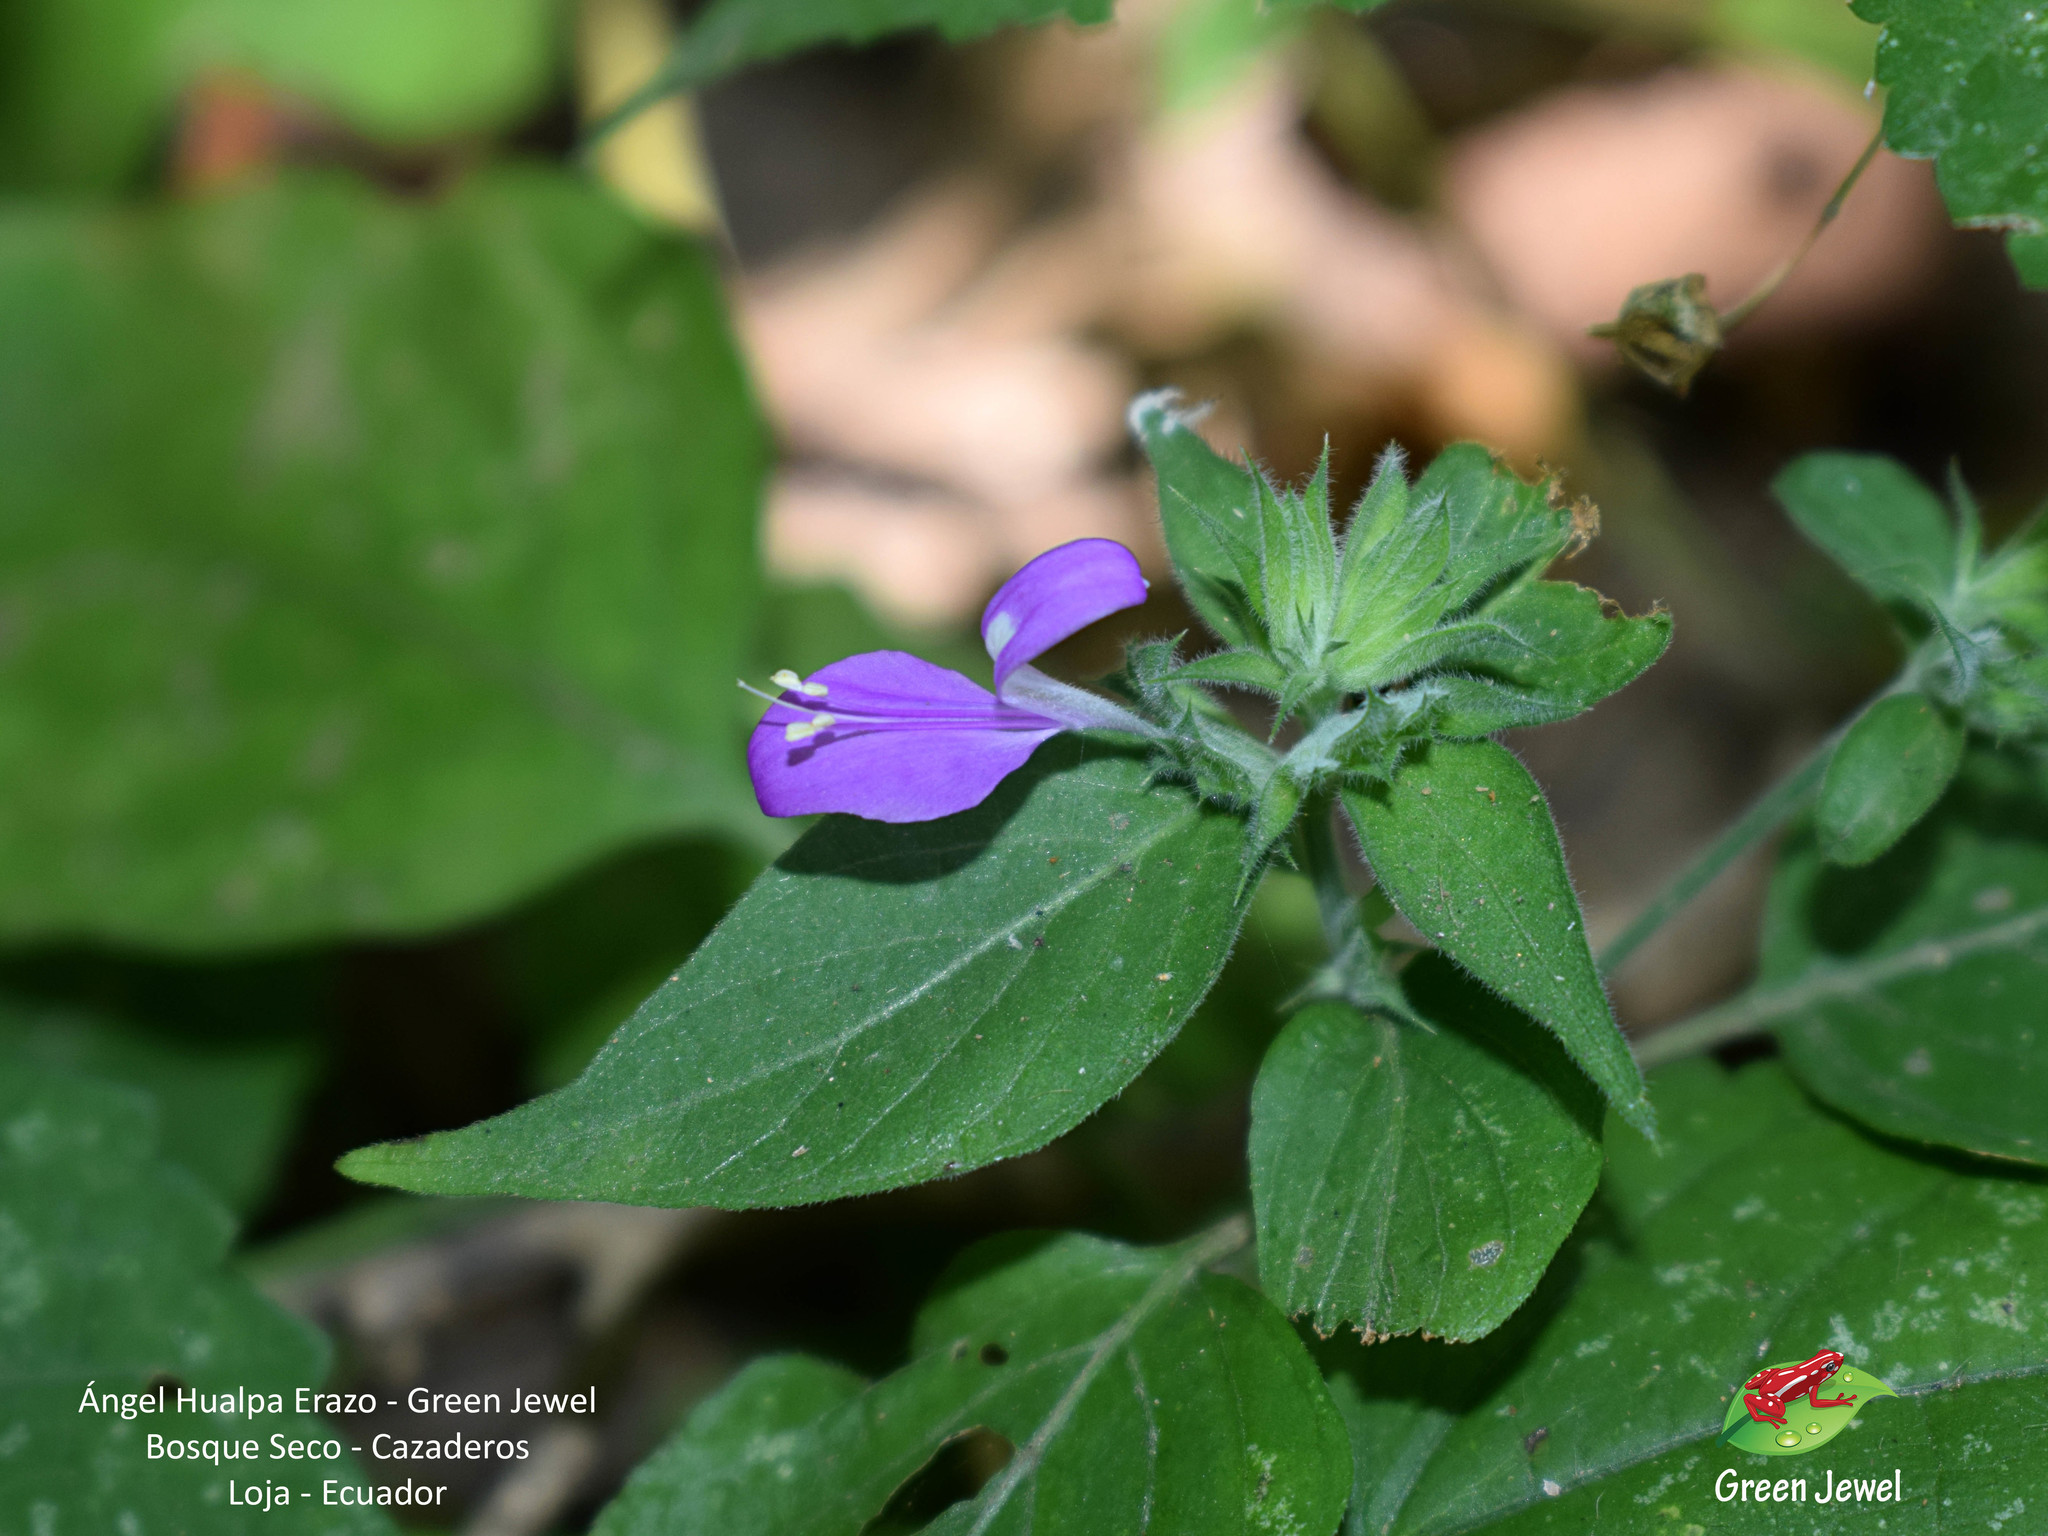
(1429, 620)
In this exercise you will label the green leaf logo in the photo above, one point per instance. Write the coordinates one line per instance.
(1806, 1427)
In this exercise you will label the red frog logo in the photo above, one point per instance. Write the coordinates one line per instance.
(1769, 1393)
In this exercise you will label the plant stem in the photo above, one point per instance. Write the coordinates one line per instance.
(1751, 1012)
(1778, 805)
(1731, 318)
(1316, 849)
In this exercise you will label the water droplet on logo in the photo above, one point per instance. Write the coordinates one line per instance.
(1813, 1429)
(1789, 1438)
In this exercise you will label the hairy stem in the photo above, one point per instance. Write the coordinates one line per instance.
(1777, 805)
(1315, 847)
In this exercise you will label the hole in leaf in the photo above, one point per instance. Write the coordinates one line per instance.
(958, 1470)
(994, 1354)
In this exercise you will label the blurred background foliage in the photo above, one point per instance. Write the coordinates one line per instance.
(391, 489)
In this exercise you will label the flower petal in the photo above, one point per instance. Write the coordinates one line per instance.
(908, 741)
(1060, 593)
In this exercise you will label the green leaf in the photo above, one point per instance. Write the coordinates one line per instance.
(1501, 524)
(226, 1112)
(111, 1278)
(1966, 87)
(889, 1004)
(1463, 842)
(1543, 652)
(1763, 1228)
(1908, 993)
(1206, 47)
(369, 562)
(1132, 1389)
(1410, 1177)
(1822, 32)
(1887, 772)
(730, 33)
(1876, 521)
(1208, 509)
(88, 87)
(403, 71)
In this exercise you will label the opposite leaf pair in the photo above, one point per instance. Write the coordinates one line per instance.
(1976, 626)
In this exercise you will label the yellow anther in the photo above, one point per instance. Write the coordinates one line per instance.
(804, 730)
(789, 682)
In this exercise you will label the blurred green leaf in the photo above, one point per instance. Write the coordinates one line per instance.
(87, 87)
(1820, 32)
(403, 71)
(370, 1227)
(1885, 775)
(1976, 626)
(2029, 255)
(1132, 1389)
(1911, 990)
(1966, 85)
(1412, 1177)
(225, 1112)
(1761, 1228)
(574, 964)
(728, 34)
(1877, 521)
(111, 1277)
(365, 564)
(1206, 46)
(85, 90)
(1463, 843)
(889, 1004)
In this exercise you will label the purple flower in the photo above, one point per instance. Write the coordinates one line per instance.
(887, 736)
